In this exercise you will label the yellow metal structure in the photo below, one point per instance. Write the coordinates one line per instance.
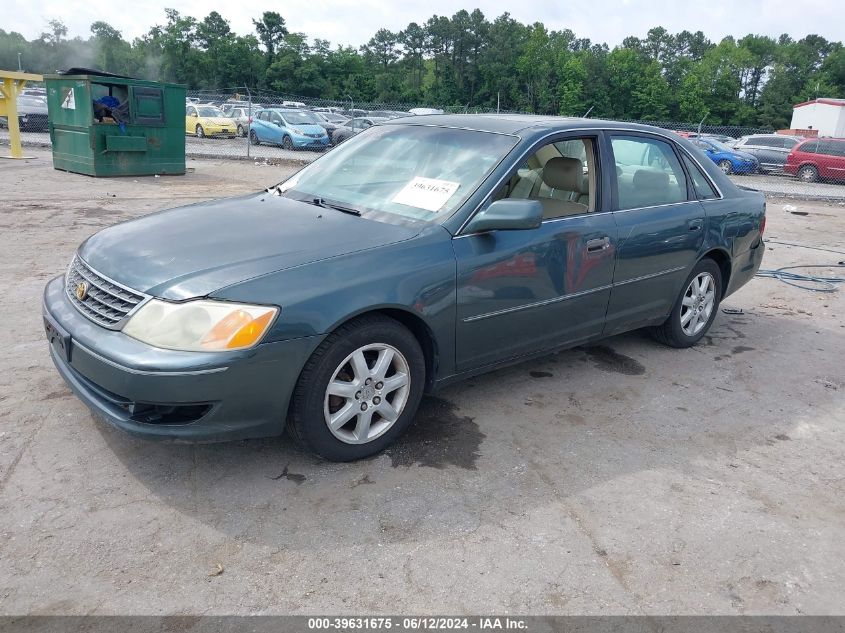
(11, 84)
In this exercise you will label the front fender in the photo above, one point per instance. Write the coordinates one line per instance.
(417, 276)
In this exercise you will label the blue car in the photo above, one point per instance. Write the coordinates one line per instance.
(729, 160)
(292, 129)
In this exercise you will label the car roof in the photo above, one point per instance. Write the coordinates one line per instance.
(517, 124)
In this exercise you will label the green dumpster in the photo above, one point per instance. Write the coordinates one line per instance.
(108, 125)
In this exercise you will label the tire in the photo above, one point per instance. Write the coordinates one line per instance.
(200, 133)
(725, 166)
(360, 430)
(287, 143)
(241, 131)
(253, 138)
(682, 329)
(808, 173)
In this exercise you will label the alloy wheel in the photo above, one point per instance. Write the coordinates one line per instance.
(725, 166)
(697, 304)
(367, 393)
(200, 132)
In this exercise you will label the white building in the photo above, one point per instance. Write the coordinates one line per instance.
(825, 115)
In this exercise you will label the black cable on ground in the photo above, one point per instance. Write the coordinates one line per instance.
(822, 284)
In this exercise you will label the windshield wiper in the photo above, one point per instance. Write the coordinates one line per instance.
(321, 202)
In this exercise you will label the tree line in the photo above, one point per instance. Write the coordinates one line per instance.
(468, 61)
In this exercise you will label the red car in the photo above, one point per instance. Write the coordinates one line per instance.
(817, 159)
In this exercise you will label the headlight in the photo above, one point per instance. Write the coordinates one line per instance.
(296, 130)
(200, 326)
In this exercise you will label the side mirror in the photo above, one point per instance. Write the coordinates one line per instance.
(507, 215)
(710, 150)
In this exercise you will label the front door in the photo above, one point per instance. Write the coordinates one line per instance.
(525, 291)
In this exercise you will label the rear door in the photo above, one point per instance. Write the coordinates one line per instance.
(831, 158)
(661, 228)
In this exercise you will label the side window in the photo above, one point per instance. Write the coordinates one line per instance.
(789, 143)
(190, 111)
(703, 189)
(648, 172)
(562, 176)
(809, 147)
(275, 118)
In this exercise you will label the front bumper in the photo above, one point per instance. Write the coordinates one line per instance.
(746, 168)
(307, 142)
(190, 396)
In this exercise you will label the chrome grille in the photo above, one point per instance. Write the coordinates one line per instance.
(105, 301)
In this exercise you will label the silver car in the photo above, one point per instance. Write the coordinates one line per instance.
(240, 113)
(770, 150)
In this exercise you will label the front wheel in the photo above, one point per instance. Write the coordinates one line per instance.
(808, 173)
(695, 309)
(253, 138)
(725, 166)
(287, 143)
(359, 391)
(199, 131)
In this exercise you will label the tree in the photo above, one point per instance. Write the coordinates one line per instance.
(271, 31)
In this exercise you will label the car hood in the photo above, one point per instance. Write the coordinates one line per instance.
(215, 120)
(193, 251)
(308, 128)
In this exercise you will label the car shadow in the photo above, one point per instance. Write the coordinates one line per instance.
(508, 443)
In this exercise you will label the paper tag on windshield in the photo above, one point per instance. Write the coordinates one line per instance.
(426, 193)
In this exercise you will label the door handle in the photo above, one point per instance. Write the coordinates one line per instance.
(598, 244)
(696, 225)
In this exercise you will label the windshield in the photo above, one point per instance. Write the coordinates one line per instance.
(298, 118)
(417, 172)
(209, 111)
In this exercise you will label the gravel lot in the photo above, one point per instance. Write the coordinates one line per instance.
(782, 185)
(621, 478)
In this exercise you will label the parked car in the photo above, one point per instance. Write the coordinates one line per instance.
(722, 138)
(404, 260)
(292, 129)
(729, 160)
(206, 120)
(350, 128)
(240, 114)
(425, 111)
(32, 114)
(817, 159)
(329, 122)
(770, 150)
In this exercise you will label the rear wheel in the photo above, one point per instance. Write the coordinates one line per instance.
(253, 138)
(808, 173)
(359, 391)
(725, 166)
(199, 131)
(287, 143)
(695, 309)
(241, 131)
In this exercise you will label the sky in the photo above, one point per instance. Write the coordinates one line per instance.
(353, 22)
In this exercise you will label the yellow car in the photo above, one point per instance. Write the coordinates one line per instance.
(206, 120)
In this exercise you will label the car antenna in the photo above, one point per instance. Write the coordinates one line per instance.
(587, 113)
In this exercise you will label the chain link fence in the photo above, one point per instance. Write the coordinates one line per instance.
(753, 157)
